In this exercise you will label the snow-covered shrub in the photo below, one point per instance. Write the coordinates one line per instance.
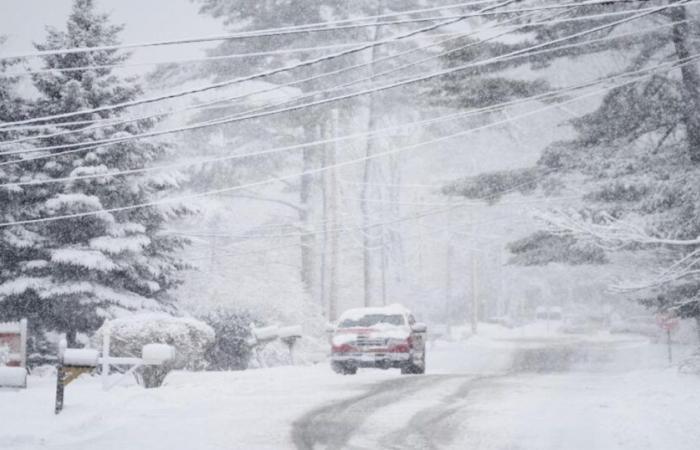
(691, 365)
(230, 350)
(190, 337)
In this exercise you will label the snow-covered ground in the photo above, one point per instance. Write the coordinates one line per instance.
(503, 389)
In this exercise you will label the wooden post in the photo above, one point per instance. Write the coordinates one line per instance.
(475, 294)
(333, 211)
(60, 388)
(106, 340)
(23, 342)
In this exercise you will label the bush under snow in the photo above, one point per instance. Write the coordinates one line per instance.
(190, 337)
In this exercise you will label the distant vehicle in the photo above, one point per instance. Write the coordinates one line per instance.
(505, 321)
(548, 313)
(383, 338)
(640, 325)
(577, 324)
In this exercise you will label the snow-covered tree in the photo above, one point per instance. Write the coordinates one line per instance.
(305, 198)
(70, 274)
(635, 157)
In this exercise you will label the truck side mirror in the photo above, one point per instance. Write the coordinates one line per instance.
(330, 327)
(419, 327)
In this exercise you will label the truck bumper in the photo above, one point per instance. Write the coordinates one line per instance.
(379, 360)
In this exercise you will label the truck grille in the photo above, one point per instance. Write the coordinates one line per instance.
(364, 342)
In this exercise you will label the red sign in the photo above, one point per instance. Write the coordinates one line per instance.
(667, 322)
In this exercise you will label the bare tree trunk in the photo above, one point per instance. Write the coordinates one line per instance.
(307, 241)
(333, 210)
(329, 256)
(691, 80)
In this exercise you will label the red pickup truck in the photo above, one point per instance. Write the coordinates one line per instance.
(385, 337)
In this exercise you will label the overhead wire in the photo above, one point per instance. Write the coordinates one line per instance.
(238, 118)
(315, 61)
(178, 199)
(108, 122)
(425, 122)
(239, 80)
(307, 28)
(267, 90)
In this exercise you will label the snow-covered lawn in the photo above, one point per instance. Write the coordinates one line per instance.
(627, 399)
(204, 410)
(645, 409)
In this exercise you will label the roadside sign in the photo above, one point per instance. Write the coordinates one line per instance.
(668, 323)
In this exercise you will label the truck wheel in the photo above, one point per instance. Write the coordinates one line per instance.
(408, 369)
(420, 369)
(343, 369)
(413, 369)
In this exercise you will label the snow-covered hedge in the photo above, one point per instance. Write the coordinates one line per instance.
(191, 338)
(230, 350)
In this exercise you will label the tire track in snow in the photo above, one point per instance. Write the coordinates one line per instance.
(333, 425)
(434, 427)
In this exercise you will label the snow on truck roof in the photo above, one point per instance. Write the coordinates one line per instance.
(357, 313)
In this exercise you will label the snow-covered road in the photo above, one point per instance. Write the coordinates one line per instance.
(510, 392)
(530, 394)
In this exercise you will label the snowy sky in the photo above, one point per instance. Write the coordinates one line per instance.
(23, 21)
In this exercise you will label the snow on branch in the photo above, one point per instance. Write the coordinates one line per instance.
(606, 230)
(613, 234)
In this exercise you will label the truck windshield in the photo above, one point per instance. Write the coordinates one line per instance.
(371, 320)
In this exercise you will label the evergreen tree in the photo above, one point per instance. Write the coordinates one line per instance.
(635, 156)
(72, 273)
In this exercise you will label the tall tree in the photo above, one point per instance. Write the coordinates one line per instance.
(312, 123)
(635, 156)
(72, 273)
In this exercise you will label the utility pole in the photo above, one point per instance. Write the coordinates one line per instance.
(333, 223)
(475, 293)
(369, 168)
(449, 253)
(383, 261)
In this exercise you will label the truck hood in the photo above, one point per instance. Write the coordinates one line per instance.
(346, 335)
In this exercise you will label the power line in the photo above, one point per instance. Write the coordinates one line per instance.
(308, 28)
(454, 116)
(201, 59)
(101, 123)
(237, 118)
(239, 80)
(286, 51)
(262, 91)
(318, 60)
(425, 122)
(304, 173)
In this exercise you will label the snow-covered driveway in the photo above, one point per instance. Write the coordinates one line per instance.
(481, 394)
